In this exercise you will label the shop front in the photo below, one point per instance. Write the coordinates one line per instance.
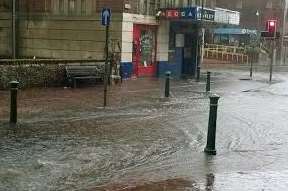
(183, 40)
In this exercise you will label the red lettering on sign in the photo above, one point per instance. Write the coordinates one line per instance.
(172, 14)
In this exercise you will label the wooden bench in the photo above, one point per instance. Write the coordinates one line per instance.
(84, 72)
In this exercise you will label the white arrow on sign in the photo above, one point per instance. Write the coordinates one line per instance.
(106, 15)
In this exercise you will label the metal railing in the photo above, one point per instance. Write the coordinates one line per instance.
(224, 48)
(225, 53)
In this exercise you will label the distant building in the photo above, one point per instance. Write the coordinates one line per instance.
(254, 13)
(154, 35)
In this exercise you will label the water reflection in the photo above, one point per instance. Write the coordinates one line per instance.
(210, 179)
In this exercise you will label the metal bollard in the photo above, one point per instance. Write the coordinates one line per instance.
(208, 81)
(167, 84)
(13, 101)
(211, 135)
(198, 74)
(251, 70)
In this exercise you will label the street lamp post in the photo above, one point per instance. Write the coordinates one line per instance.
(258, 20)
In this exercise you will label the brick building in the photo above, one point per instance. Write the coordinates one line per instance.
(254, 13)
(146, 34)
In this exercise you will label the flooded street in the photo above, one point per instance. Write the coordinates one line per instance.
(65, 140)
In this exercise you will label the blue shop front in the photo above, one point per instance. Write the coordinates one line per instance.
(184, 36)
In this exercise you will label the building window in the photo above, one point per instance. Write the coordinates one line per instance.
(142, 7)
(47, 5)
(239, 4)
(269, 5)
(83, 7)
(5, 5)
(71, 7)
(61, 7)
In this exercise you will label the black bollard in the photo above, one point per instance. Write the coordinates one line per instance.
(251, 70)
(13, 101)
(167, 84)
(211, 135)
(198, 74)
(208, 81)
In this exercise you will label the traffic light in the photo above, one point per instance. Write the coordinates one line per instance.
(271, 26)
(271, 30)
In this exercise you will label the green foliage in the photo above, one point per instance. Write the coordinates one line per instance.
(34, 75)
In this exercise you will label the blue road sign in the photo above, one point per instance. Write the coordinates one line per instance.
(106, 16)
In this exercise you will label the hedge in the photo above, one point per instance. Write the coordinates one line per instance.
(33, 75)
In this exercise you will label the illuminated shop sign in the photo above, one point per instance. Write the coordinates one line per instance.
(193, 13)
(208, 14)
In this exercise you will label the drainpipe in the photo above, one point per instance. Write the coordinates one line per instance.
(14, 29)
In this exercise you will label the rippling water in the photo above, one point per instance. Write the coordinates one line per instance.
(154, 143)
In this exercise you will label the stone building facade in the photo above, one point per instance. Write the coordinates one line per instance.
(71, 29)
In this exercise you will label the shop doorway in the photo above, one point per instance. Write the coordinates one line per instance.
(144, 50)
(183, 48)
(189, 54)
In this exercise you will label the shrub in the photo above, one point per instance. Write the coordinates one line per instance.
(32, 75)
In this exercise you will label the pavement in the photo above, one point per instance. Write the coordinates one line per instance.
(66, 140)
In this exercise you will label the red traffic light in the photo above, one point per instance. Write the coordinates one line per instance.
(272, 23)
(271, 26)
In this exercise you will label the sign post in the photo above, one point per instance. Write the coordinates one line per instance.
(105, 20)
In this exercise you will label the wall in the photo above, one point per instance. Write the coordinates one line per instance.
(163, 47)
(56, 33)
(66, 37)
(5, 34)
